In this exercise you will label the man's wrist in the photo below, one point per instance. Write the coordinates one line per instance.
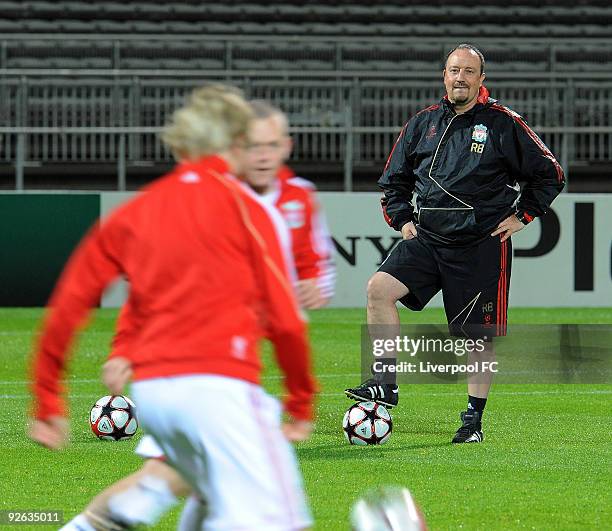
(403, 222)
(524, 217)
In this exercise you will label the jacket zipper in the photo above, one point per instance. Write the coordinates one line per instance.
(433, 161)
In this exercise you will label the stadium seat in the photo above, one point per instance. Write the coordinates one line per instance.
(426, 11)
(97, 63)
(185, 64)
(37, 26)
(13, 10)
(73, 26)
(136, 63)
(416, 28)
(66, 62)
(117, 11)
(8, 26)
(50, 10)
(183, 10)
(496, 30)
(255, 13)
(583, 58)
(182, 27)
(328, 13)
(27, 62)
(251, 28)
(395, 12)
(81, 10)
(283, 28)
(596, 30)
(292, 13)
(150, 11)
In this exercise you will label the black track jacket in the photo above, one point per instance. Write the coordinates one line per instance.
(465, 170)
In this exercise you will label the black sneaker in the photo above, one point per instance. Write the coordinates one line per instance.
(373, 391)
(471, 429)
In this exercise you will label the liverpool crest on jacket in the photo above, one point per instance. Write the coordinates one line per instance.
(480, 133)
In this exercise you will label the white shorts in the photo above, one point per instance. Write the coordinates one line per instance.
(224, 437)
(147, 448)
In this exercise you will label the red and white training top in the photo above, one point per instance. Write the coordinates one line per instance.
(208, 280)
(312, 246)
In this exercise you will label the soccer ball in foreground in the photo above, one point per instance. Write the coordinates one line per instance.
(113, 418)
(367, 423)
(387, 509)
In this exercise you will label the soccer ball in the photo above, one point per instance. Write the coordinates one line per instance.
(367, 423)
(387, 509)
(113, 418)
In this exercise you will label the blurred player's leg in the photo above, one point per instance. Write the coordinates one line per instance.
(233, 454)
(152, 495)
(193, 515)
(96, 515)
(150, 492)
(81, 523)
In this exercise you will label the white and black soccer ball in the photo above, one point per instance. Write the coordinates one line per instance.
(113, 418)
(367, 423)
(387, 508)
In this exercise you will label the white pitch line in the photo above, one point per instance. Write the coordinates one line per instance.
(30, 332)
(94, 380)
(504, 393)
(319, 376)
(280, 377)
(64, 382)
(23, 397)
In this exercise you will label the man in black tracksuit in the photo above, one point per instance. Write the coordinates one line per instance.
(463, 157)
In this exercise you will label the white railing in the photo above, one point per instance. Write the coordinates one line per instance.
(347, 138)
(343, 121)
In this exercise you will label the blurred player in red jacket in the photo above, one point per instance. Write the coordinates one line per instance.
(208, 280)
(157, 485)
(312, 248)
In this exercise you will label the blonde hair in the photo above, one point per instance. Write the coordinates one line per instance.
(214, 117)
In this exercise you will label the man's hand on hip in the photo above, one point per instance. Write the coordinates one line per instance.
(508, 227)
(409, 231)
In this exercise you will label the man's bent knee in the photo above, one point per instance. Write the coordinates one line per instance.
(384, 288)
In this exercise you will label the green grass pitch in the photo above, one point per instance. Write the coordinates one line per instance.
(545, 463)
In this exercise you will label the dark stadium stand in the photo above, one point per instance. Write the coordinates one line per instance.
(524, 17)
(247, 54)
(397, 28)
(359, 21)
(350, 63)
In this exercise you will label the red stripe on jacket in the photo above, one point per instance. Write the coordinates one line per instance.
(545, 151)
